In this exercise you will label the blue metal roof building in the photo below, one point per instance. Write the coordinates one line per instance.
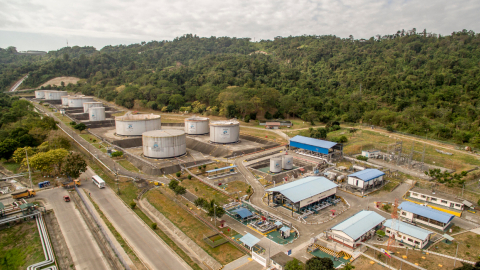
(410, 230)
(313, 188)
(314, 145)
(425, 215)
(359, 224)
(367, 174)
(243, 212)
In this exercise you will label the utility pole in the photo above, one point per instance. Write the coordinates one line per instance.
(456, 252)
(215, 215)
(29, 174)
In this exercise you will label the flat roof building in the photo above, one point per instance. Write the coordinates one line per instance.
(316, 147)
(366, 179)
(425, 215)
(437, 200)
(309, 191)
(356, 229)
(408, 233)
(279, 260)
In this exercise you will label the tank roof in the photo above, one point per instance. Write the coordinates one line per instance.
(137, 117)
(196, 118)
(225, 123)
(164, 133)
(93, 102)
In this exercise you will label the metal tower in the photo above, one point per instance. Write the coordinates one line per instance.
(391, 239)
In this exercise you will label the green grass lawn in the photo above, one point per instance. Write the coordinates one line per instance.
(11, 166)
(128, 165)
(20, 246)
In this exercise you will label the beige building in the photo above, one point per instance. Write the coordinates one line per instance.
(441, 199)
(407, 233)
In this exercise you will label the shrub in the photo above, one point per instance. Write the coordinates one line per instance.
(133, 204)
(117, 154)
(360, 157)
(249, 189)
(247, 118)
(390, 128)
(73, 123)
(342, 139)
(380, 233)
(179, 190)
(173, 184)
(268, 115)
(386, 207)
(189, 177)
(178, 174)
(154, 226)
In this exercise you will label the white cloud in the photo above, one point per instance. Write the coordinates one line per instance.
(265, 19)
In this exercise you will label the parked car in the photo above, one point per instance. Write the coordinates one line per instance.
(66, 198)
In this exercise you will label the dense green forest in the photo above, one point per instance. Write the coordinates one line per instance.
(417, 82)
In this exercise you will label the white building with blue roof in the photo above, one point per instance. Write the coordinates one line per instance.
(415, 213)
(302, 193)
(316, 147)
(366, 179)
(407, 233)
(356, 229)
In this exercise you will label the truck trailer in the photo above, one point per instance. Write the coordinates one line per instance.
(24, 194)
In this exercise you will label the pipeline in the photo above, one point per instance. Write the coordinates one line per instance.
(47, 248)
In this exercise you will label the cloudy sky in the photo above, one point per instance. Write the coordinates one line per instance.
(48, 24)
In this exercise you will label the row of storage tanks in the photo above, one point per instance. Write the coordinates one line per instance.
(158, 143)
(277, 164)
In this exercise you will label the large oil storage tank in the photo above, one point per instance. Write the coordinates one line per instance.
(40, 94)
(77, 102)
(54, 95)
(88, 105)
(275, 165)
(287, 162)
(65, 100)
(164, 143)
(96, 113)
(136, 124)
(224, 131)
(196, 125)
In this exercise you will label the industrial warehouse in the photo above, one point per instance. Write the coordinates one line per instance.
(316, 148)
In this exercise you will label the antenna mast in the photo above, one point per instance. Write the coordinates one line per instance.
(391, 239)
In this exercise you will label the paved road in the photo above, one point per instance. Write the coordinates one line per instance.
(17, 84)
(84, 249)
(149, 247)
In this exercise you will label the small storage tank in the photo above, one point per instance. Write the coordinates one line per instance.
(54, 94)
(40, 94)
(225, 131)
(275, 165)
(196, 125)
(287, 162)
(136, 124)
(88, 105)
(164, 143)
(96, 113)
(77, 102)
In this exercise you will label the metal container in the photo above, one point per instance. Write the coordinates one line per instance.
(136, 124)
(196, 125)
(40, 93)
(287, 162)
(54, 94)
(96, 113)
(358, 168)
(164, 143)
(275, 165)
(88, 105)
(77, 102)
(225, 131)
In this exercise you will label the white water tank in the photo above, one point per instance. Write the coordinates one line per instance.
(96, 113)
(88, 105)
(65, 100)
(287, 162)
(225, 131)
(77, 102)
(136, 124)
(196, 125)
(164, 143)
(54, 94)
(40, 94)
(275, 165)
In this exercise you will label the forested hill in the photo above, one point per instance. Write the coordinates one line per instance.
(415, 82)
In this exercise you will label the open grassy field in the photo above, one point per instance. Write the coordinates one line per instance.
(11, 166)
(204, 191)
(264, 134)
(192, 227)
(20, 246)
(468, 247)
(58, 81)
(365, 140)
(128, 165)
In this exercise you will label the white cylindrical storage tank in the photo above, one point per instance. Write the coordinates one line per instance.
(65, 100)
(287, 162)
(40, 94)
(225, 131)
(275, 165)
(77, 102)
(164, 143)
(88, 105)
(96, 113)
(136, 124)
(196, 125)
(54, 95)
